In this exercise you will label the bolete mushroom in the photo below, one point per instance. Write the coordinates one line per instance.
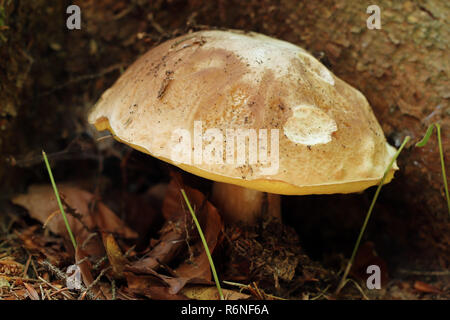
(202, 100)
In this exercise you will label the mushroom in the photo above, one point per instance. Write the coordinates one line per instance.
(259, 116)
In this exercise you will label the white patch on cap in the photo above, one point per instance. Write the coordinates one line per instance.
(317, 68)
(326, 76)
(257, 50)
(309, 126)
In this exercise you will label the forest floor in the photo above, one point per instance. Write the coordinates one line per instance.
(138, 245)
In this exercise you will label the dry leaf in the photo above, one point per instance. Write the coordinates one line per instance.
(196, 268)
(115, 256)
(31, 292)
(85, 268)
(152, 287)
(178, 231)
(143, 212)
(211, 293)
(47, 246)
(40, 201)
(4, 283)
(425, 287)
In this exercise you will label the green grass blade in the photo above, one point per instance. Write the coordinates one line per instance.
(444, 176)
(423, 142)
(205, 244)
(58, 199)
(427, 136)
(369, 213)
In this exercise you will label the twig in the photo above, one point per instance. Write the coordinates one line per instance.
(48, 294)
(27, 265)
(113, 289)
(34, 267)
(425, 273)
(84, 77)
(260, 295)
(99, 262)
(359, 288)
(124, 12)
(19, 278)
(156, 25)
(42, 292)
(62, 276)
(321, 293)
(58, 273)
(93, 283)
(82, 260)
(62, 291)
(88, 238)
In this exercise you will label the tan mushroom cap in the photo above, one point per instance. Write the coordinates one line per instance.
(329, 138)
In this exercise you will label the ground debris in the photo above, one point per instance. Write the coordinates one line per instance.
(270, 255)
(179, 252)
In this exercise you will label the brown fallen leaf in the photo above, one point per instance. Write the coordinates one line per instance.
(174, 284)
(85, 268)
(40, 201)
(211, 293)
(99, 290)
(179, 237)
(172, 240)
(151, 286)
(32, 293)
(425, 287)
(143, 213)
(115, 255)
(198, 267)
(49, 247)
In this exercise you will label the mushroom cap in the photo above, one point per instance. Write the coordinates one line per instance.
(328, 137)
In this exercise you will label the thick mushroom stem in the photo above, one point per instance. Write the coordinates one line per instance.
(239, 204)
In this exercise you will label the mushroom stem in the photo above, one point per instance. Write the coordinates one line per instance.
(239, 204)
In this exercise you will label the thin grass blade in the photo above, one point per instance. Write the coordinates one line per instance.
(205, 244)
(58, 199)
